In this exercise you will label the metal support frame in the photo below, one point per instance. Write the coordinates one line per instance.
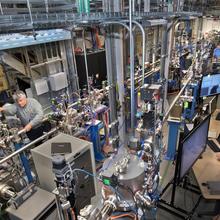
(164, 69)
(76, 71)
(155, 43)
(17, 40)
(28, 65)
(39, 57)
(170, 206)
(85, 59)
(54, 20)
(31, 18)
(179, 212)
(163, 51)
(165, 56)
(64, 60)
(69, 65)
(1, 9)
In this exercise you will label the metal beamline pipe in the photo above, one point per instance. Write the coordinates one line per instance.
(28, 146)
(143, 46)
(22, 131)
(149, 74)
(177, 97)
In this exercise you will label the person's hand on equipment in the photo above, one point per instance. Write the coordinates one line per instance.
(1, 109)
(28, 127)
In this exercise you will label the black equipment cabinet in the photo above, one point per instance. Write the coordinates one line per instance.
(96, 61)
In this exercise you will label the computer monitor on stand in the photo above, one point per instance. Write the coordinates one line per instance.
(192, 147)
(210, 85)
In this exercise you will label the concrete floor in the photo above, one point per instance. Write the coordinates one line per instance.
(184, 199)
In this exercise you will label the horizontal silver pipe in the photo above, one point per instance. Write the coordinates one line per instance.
(151, 72)
(84, 99)
(23, 131)
(28, 146)
(45, 63)
(147, 74)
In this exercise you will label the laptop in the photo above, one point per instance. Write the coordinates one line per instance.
(61, 148)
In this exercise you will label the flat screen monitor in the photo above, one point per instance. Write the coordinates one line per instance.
(210, 85)
(193, 146)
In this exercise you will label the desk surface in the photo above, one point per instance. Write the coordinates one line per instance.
(207, 169)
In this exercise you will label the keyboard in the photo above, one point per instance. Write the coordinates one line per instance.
(218, 117)
(213, 146)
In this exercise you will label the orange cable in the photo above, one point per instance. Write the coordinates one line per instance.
(123, 215)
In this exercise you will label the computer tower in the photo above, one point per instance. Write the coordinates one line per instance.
(82, 157)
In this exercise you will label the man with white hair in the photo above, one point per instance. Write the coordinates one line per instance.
(29, 111)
